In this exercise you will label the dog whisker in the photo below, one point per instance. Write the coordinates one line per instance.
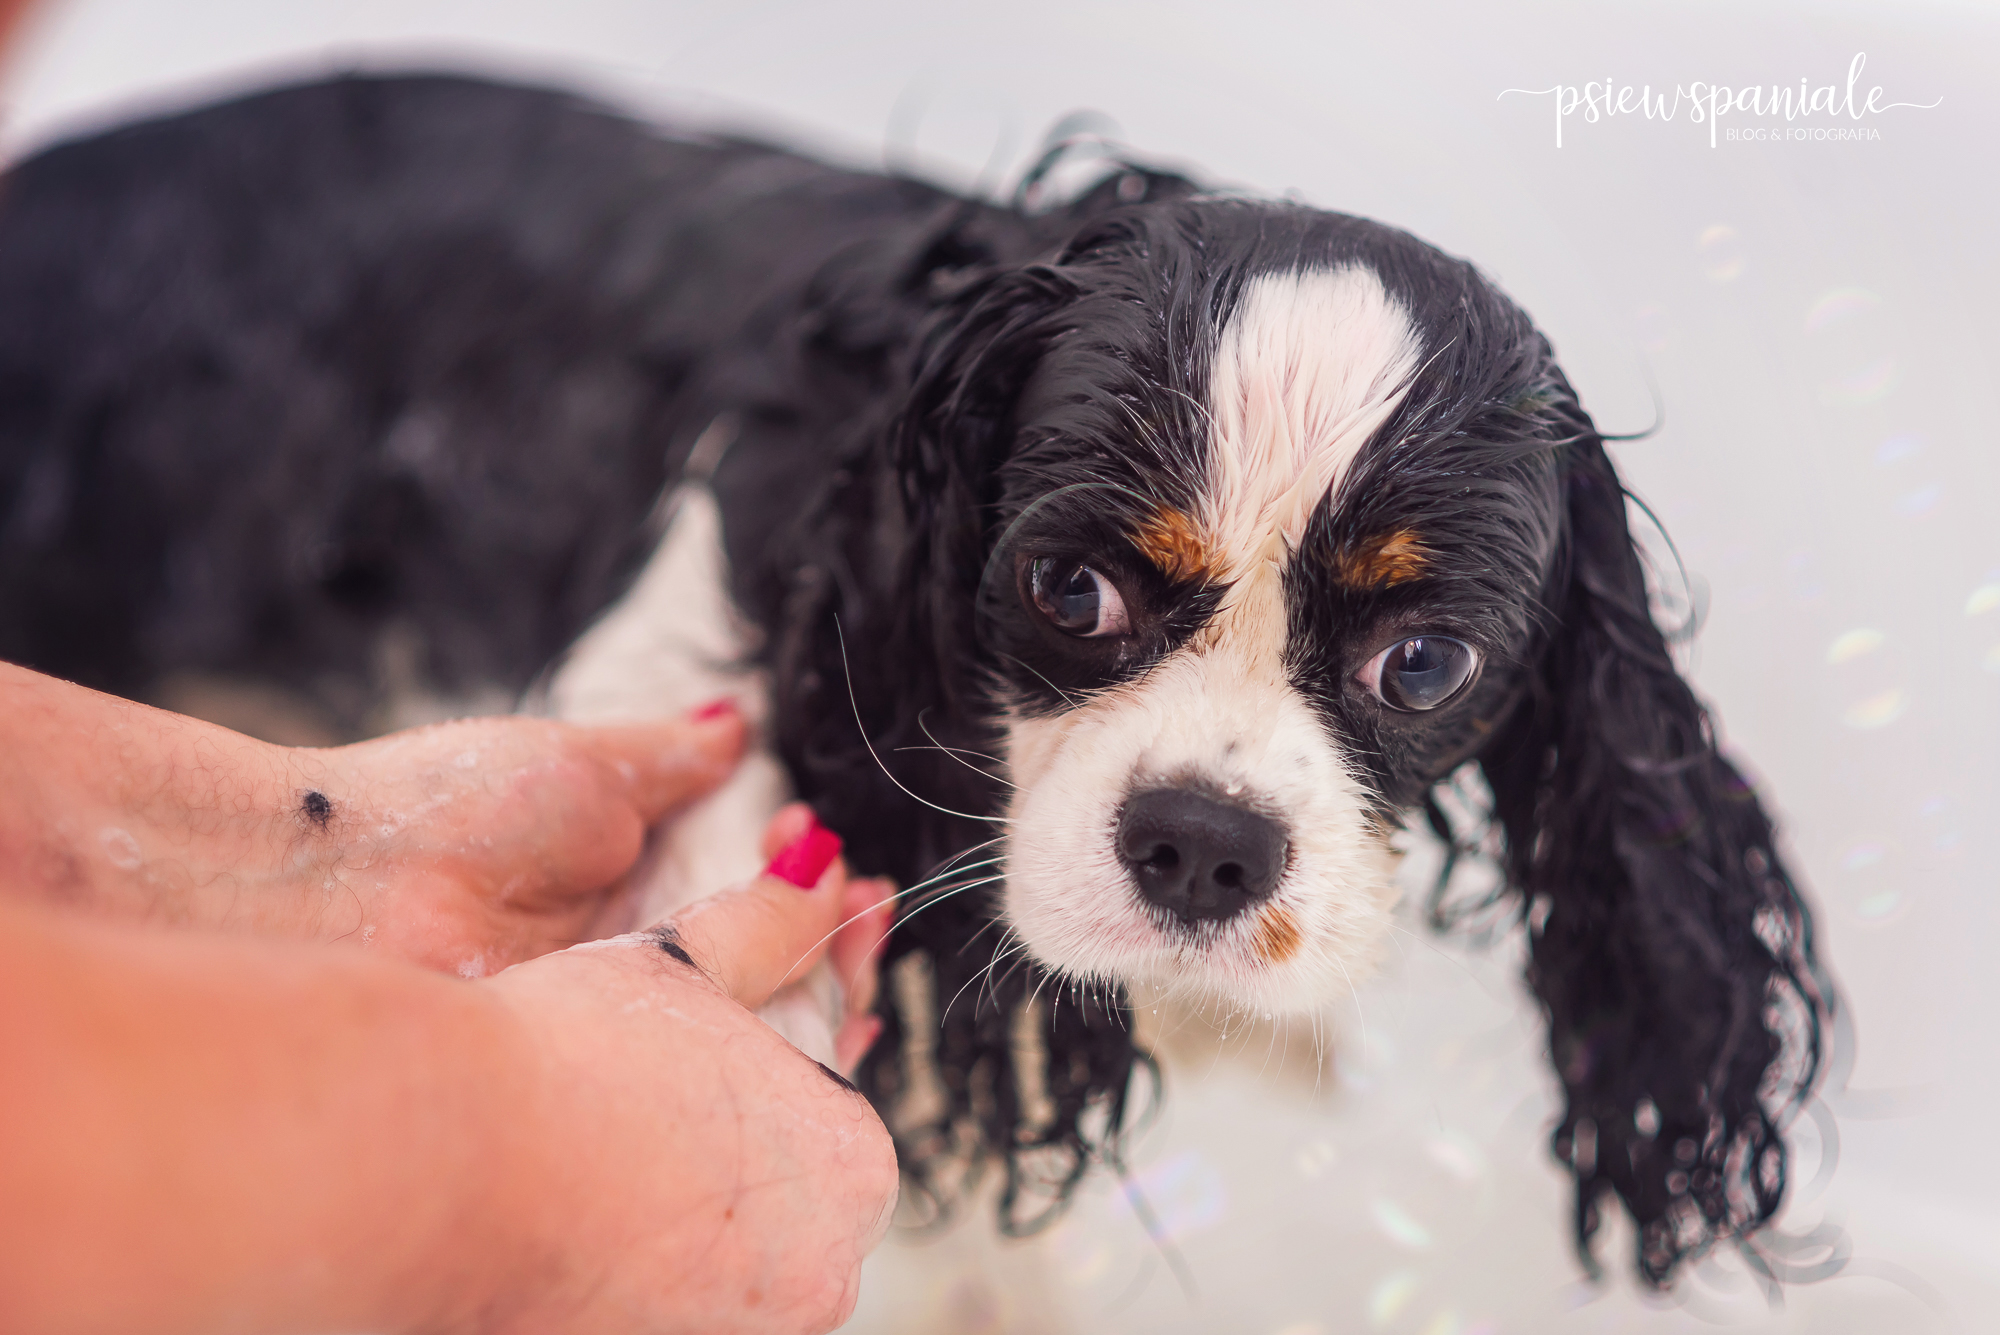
(1066, 698)
(900, 894)
(855, 703)
(959, 753)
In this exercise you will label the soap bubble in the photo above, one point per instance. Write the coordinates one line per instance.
(1721, 253)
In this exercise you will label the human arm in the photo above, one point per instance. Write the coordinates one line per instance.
(223, 1134)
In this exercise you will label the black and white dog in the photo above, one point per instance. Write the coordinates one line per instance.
(1136, 562)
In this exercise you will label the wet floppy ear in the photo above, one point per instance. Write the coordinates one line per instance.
(1669, 948)
(970, 988)
(883, 718)
(878, 614)
(947, 445)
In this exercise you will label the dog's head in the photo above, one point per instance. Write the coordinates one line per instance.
(1246, 524)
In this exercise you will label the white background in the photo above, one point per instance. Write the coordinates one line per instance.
(1818, 318)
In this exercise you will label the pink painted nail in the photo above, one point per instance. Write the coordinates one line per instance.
(714, 709)
(806, 858)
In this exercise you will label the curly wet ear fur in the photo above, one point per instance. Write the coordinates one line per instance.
(1669, 948)
(882, 605)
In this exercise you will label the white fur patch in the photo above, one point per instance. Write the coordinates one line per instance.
(1311, 363)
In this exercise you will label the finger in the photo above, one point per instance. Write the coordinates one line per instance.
(787, 827)
(856, 1036)
(667, 762)
(866, 913)
(756, 939)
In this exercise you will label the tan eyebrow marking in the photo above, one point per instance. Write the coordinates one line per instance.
(1382, 561)
(1170, 540)
(1277, 935)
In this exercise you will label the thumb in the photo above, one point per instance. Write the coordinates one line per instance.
(664, 763)
(760, 936)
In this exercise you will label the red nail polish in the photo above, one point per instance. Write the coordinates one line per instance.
(715, 709)
(806, 858)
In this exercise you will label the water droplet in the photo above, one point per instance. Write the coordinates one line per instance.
(120, 848)
(1721, 253)
(1921, 501)
(1879, 906)
(1316, 1158)
(1458, 1156)
(1395, 1221)
(1186, 1193)
(1390, 1296)
(1877, 711)
(1862, 855)
(1652, 322)
(1897, 448)
(1854, 643)
(1869, 384)
(1838, 306)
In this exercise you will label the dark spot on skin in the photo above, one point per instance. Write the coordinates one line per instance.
(670, 942)
(59, 872)
(317, 807)
(837, 1078)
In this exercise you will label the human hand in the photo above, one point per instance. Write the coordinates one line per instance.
(473, 845)
(654, 1081)
(465, 846)
(225, 1132)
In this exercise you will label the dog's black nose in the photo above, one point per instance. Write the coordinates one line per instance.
(1198, 857)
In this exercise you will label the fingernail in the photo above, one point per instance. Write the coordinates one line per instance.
(715, 709)
(806, 858)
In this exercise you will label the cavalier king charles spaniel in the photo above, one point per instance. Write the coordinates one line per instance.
(1119, 573)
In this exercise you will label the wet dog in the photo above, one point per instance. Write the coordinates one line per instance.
(1116, 573)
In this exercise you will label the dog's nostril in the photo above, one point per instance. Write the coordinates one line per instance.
(1196, 856)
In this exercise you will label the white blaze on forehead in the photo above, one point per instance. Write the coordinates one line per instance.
(1311, 363)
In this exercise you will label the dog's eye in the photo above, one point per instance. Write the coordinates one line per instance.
(1079, 600)
(1421, 673)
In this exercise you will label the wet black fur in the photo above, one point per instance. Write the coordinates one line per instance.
(290, 382)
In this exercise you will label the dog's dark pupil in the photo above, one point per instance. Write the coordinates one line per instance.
(1424, 673)
(1076, 601)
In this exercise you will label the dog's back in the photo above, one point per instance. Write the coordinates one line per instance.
(371, 385)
